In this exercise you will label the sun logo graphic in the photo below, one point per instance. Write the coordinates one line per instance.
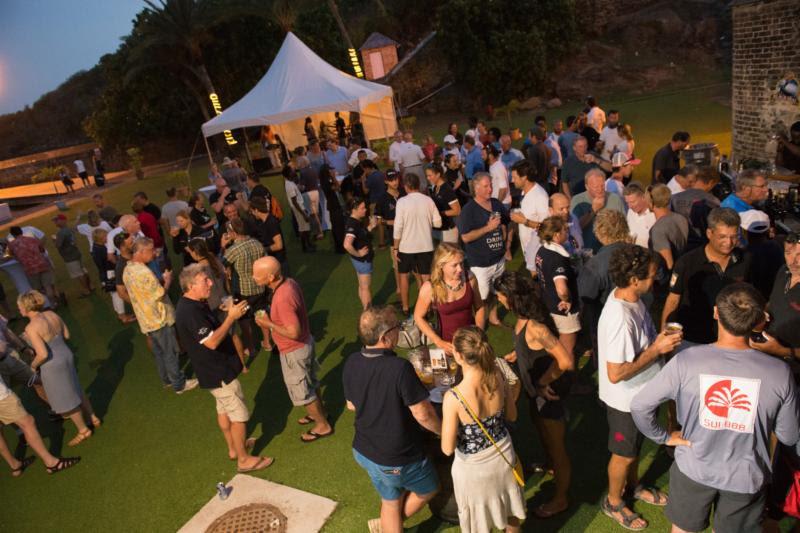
(729, 403)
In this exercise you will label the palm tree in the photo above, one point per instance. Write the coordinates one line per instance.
(172, 34)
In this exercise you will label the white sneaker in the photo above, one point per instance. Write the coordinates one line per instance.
(189, 385)
(374, 525)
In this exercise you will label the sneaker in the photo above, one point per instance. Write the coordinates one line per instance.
(189, 385)
(374, 525)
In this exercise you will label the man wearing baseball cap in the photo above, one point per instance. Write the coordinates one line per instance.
(451, 147)
(766, 252)
(68, 249)
(621, 170)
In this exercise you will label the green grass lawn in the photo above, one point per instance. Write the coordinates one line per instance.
(156, 459)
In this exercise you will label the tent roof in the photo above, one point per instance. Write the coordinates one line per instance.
(299, 83)
(377, 40)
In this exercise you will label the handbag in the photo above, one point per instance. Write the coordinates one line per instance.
(516, 468)
(791, 504)
(410, 336)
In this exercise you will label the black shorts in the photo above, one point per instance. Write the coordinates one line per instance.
(419, 263)
(83, 175)
(690, 503)
(256, 302)
(624, 438)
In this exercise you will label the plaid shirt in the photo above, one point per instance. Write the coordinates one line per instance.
(241, 255)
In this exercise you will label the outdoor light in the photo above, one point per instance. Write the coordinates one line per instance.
(218, 110)
(356, 64)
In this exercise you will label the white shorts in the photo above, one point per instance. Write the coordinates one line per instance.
(302, 223)
(313, 201)
(570, 323)
(75, 269)
(487, 275)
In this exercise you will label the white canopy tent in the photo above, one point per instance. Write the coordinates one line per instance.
(299, 84)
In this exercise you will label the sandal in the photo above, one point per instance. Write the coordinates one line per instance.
(25, 463)
(96, 422)
(660, 499)
(540, 511)
(314, 436)
(626, 519)
(80, 437)
(62, 464)
(263, 462)
(306, 420)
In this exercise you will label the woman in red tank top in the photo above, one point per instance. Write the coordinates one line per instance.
(452, 293)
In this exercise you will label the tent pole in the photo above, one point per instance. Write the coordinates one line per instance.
(383, 122)
(210, 159)
(247, 149)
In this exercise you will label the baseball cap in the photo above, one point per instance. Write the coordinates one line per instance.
(60, 217)
(391, 175)
(754, 221)
(621, 159)
(450, 139)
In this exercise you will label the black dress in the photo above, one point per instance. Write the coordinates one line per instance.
(335, 210)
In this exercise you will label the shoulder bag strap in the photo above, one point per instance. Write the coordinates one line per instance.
(486, 433)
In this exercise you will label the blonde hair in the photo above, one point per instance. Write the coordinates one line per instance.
(32, 300)
(626, 132)
(444, 253)
(610, 226)
(659, 195)
(473, 346)
(99, 236)
(550, 227)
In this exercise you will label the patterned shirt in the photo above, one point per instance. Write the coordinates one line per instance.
(30, 254)
(150, 302)
(241, 255)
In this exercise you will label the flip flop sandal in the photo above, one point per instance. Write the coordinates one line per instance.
(626, 519)
(249, 444)
(314, 436)
(306, 420)
(540, 512)
(62, 464)
(25, 463)
(264, 462)
(659, 498)
(80, 437)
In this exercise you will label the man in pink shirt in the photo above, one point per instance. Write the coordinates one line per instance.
(287, 320)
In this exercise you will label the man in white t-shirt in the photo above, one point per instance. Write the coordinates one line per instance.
(451, 147)
(94, 222)
(127, 224)
(301, 216)
(532, 210)
(412, 159)
(500, 185)
(630, 354)
(640, 218)
(80, 168)
(610, 139)
(683, 180)
(415, 217)
(394, 150)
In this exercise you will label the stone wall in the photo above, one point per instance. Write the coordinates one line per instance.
(766, 46)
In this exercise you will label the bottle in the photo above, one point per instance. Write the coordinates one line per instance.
(222, 491)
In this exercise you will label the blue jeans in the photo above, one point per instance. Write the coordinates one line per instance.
(165, 351)
(392, 481)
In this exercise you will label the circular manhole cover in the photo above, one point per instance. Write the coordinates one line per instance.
(252, 518)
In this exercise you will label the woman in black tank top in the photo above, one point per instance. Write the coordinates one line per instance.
(545, 369)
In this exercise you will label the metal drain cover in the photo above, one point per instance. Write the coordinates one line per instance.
(252, 518)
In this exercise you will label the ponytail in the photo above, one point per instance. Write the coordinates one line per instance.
(473, 345)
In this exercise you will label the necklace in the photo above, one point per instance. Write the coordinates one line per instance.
(456, 288)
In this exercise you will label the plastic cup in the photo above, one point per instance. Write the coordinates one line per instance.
(673, 328)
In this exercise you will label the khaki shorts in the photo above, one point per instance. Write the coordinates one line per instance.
(300, 374)
(486, 276)
(42, 279)
(570, 323)
(11, 409)
(75, 269)
(230, 401)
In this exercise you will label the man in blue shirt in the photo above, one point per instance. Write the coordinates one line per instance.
(751, 187)
(474, 160)
(336, 156)
(568, 137)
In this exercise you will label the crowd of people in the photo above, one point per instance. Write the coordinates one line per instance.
(606, 248)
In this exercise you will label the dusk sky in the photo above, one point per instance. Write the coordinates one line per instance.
(44, 42)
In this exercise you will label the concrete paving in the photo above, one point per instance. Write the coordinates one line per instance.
(305, 512)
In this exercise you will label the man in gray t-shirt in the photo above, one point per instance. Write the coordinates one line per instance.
(670, 233)
(729, 399)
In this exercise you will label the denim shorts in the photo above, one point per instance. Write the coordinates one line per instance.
(362, 267)
(392, 481)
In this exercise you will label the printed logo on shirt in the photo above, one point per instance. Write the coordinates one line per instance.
(673, 280)
(728, 403)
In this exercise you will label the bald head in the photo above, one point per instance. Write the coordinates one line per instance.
(220, 184)
(267, 271)
(129, 223)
